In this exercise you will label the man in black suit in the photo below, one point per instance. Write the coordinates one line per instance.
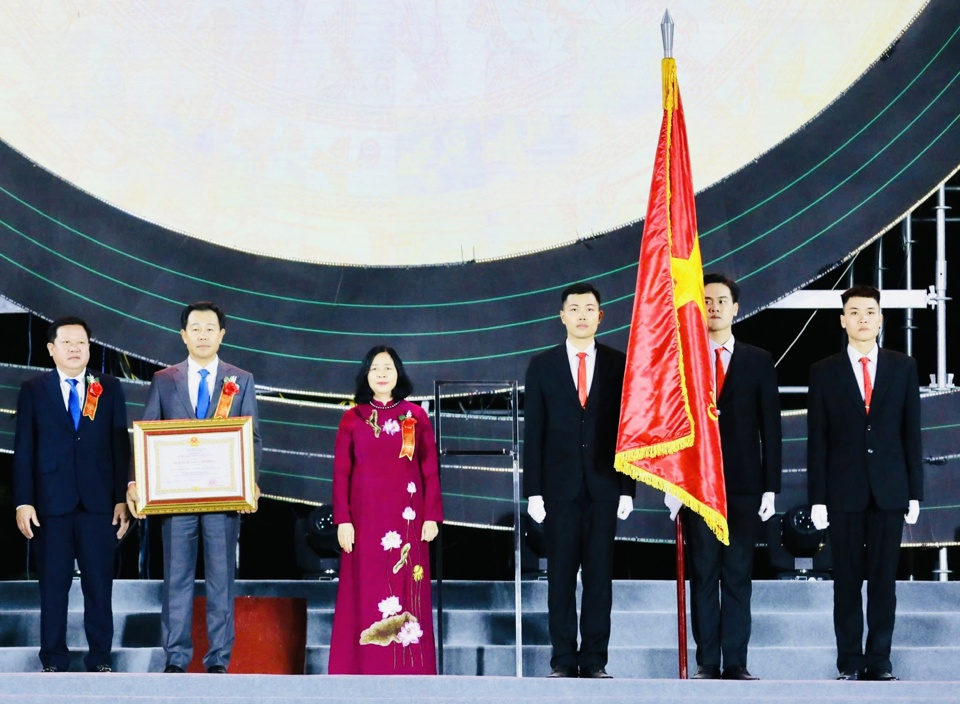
(71, 452)
(864, 474)
(571, 419)
(748, 403)
(193, 389)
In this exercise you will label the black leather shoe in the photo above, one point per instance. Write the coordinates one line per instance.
(707, 672)
(848, 675)
(563, 672)
(737, 672)
(174, 669)
(595, 673)
(50, 668)
(878, 675)
(217, 670)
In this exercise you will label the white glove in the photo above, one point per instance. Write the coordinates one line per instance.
(913, 512)
(767, 506)
(536, 509)
(818, 514)
(625, 508)
(674, 504)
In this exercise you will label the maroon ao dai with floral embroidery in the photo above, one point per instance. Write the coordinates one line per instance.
(383, 622)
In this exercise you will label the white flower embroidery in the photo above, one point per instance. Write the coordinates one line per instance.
(391, 427)
(391, 540)
(409, 514)
(411, 488)
(389, 606)
(409, 633)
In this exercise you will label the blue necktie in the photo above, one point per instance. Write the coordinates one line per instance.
(203, 395)
(73, 403)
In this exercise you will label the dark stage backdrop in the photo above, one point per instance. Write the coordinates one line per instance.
(478, 490)
(776, 225)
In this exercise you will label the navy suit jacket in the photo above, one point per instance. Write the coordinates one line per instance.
(169, 398)
(750, 433)
(851, 454)
(565, 446)
(56, 468)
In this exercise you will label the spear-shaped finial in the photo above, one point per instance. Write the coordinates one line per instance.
(666, 31)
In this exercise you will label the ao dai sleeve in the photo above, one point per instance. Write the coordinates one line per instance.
(429, 467)
(343, 460)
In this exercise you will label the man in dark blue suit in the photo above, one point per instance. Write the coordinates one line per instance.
(70, 463)
(193, 390)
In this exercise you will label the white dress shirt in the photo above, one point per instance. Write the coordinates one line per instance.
(65, 388)
(591, 360)
(858, 367)
(193, 378)
(724, 357)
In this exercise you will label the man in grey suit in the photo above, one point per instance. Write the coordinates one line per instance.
(189, 390)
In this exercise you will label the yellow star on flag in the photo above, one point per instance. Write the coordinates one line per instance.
(688, 279)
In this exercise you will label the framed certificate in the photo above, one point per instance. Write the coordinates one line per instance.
(190, 466)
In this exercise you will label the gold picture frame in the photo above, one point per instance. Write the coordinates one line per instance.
(194, 466)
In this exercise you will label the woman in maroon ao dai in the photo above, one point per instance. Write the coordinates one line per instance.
(386, 504)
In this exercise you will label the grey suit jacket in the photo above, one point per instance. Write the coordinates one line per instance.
(169, 398)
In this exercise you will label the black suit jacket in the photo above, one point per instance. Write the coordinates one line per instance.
(750, 435)
(56, 468)
(565, 446)
(851, 454)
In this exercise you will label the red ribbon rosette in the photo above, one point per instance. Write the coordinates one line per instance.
(94, 390)
(408, 426)
(229, 389)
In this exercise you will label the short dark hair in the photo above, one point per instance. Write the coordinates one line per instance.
(715, 278)
(203, 305)
(859, 291)
(364, 394)
(577, 289)
(66, 320)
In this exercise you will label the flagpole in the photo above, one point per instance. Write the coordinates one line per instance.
(681, 601)
(666, 33)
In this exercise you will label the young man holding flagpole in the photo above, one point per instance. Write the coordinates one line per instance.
(669, 435)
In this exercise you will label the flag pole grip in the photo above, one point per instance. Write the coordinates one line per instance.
(681, 601)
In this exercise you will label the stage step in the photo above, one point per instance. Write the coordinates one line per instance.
(792, 628)
(269, 689)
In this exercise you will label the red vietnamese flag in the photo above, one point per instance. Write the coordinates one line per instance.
(669, 436)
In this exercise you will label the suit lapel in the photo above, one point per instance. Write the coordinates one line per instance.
(730, 376)
(182, 383)
(881, 381)
(561, 364)
(51, 383)
(596, 386)
(848, 382)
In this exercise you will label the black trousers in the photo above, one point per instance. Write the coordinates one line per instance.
(721, 582)
(866, 546)
(91, 540)
(580, 536)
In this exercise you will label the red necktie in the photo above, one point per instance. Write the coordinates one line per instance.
(720, 372)
(582, 379)
(867, 385)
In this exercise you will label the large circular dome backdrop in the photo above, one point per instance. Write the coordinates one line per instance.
(386, 132)
(431, 175)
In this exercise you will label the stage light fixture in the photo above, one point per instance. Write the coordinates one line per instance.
(533, 549)
(316, 545)
(796, 547)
